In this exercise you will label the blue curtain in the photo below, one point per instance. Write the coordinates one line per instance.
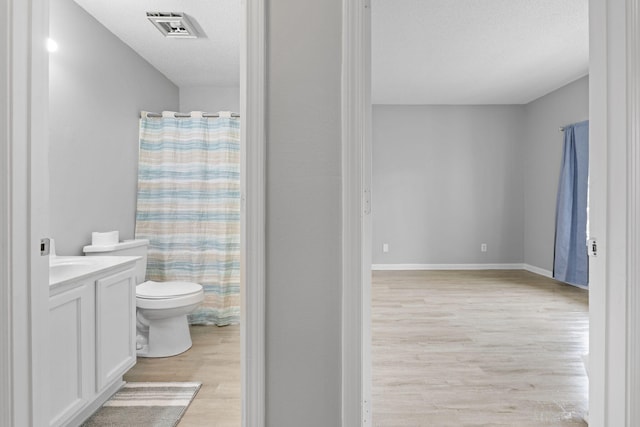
(571, 264)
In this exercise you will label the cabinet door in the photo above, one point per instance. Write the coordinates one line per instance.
(70, 351)
(115, 326)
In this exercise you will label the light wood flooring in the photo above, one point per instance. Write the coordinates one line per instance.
(214, 360)
(478, 348)
(450, 348)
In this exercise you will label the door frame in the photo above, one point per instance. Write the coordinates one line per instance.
(253, 213)
(614, 288)
(633, 215)
(614, 291)
(24, 216)
(6, 365)
(597, 208)
(356, 213)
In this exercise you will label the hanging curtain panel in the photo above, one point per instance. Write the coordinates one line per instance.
(189, 208)
(571, 263)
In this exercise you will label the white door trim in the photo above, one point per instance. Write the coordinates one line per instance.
(356, 249)
(253, 246)
(614, 298)
(24, 213)
(597, 208)
(24, 218)
(6, 386)
(633, 215)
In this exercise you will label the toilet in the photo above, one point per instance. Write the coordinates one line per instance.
(162, 307)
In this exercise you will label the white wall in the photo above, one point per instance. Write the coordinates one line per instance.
(98, 86)
(210, 99)
(303, 293)
(543, 155)
(445, 180)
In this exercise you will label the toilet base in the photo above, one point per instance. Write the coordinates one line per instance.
(164, 337)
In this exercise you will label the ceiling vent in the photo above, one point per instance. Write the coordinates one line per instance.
(173, 24)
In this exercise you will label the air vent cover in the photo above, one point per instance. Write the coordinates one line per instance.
(173, 24)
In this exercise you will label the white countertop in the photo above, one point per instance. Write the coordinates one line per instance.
(66, 269)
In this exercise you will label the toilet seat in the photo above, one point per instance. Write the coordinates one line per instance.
(165, 295)
(159, 290)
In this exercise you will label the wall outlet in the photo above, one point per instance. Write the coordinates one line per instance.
(385, 247)
(483, 247)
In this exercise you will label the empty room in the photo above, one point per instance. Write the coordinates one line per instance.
(480, 154)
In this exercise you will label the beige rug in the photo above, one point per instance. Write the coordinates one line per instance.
(146, 404)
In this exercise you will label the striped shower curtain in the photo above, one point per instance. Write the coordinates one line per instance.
(189, 207)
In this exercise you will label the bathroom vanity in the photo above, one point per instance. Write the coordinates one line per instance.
(92, 342)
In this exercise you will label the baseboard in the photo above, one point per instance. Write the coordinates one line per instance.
(382, 267)
(527, 267)
(538, 270)
(549, 274)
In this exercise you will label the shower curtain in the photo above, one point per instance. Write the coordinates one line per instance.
(189, 207)
(571, 263)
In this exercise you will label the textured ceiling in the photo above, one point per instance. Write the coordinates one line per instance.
(212, 60)
(476, 51)
(423, 51)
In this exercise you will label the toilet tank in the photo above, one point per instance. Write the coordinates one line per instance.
(126, 248)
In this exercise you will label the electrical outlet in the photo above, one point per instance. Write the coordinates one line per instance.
(385, 247)
(483, 247)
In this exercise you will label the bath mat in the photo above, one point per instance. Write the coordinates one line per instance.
(146, 404)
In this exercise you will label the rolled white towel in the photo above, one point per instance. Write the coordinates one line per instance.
(105, 239)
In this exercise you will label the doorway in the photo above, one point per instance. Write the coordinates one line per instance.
(181, 184)
(29, 221)
(410, 236)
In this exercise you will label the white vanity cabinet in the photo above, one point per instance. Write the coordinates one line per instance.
(71, 349)
(115, 327)
(91, 340)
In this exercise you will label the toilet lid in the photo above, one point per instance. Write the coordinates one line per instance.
(158, 290)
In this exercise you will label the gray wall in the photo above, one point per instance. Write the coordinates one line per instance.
(303, 297)
(98, 86)
(210, 99)
(543, 154)
(448, 178)
(445, 180)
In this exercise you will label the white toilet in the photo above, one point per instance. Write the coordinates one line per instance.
(162, 307)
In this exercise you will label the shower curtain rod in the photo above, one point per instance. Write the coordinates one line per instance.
(182, 115)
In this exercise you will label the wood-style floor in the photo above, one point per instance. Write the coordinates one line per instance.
(450, 348)
(214, 360)
(478, 348)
